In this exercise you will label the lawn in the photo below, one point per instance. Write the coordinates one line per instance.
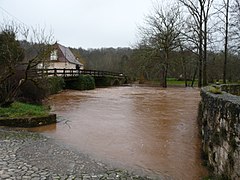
(173, 82)
(18, 109)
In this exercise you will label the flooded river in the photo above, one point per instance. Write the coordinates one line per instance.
(148, 129)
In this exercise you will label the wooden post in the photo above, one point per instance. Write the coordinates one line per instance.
(55, 72)
(64, 71)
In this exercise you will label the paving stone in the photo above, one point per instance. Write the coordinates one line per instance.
(35, 175)
(86, 177)
(36, 178)
(5, 176)
(26, 177)
(30, 156)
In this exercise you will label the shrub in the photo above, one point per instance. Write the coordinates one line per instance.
(55, 84)
(104, 81)
(84, 82)
(34, 92)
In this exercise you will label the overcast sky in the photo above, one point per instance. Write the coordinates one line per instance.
(82, 23)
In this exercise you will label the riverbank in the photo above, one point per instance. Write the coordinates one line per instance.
(26, 115)
(27, 155)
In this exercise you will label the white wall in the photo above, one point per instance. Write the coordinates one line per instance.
(61, 65)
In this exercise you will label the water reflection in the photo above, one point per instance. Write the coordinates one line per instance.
(149, 129)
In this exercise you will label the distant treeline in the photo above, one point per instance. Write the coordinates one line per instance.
(142, 63)
(105, 59)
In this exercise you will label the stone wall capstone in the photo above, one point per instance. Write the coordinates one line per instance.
(231, 88)
(219, 119)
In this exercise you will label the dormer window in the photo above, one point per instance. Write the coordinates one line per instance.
(54, 56)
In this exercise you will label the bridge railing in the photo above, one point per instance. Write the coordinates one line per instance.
(73, 73)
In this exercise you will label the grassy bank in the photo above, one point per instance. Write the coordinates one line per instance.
(18, 109)
(171, 82)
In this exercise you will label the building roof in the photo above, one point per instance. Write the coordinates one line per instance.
(69, 56)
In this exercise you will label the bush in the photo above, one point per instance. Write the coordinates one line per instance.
(84, 82)
(34, 92)
(55, 84)
(104, 81)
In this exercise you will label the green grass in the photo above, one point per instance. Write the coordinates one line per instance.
(175, 82)
(18, 109)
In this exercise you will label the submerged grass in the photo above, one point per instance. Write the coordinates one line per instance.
(18, 109)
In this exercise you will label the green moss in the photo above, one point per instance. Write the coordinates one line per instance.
(18, 109)
(214, 90)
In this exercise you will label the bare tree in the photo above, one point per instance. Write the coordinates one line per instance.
(226, 6)
(162, 34)
(235, 26)
(199, 11)
(223, 11)
(16, 65)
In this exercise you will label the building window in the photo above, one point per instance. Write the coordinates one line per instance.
(53, 56)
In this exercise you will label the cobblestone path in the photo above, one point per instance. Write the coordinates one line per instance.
(25, 155)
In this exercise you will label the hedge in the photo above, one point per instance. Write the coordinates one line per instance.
(84, 82)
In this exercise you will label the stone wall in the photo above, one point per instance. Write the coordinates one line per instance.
(219, 118)
(28, 121)
(232, 89)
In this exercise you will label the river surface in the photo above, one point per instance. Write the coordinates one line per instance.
(148, 129)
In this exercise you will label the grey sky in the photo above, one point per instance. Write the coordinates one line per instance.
(82, 23)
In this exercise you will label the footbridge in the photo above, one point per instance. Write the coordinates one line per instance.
(114, 78)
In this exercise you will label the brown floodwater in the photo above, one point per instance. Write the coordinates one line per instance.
(147, 129)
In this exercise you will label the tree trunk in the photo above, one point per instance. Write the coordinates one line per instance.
(205, 83)
(226, 44)
(200, 69)
(194, 76)
(165, 76)
(12, 95)
(165, 69)
(200, 65)
(184, 70)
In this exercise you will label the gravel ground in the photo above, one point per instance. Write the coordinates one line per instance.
(26, 155)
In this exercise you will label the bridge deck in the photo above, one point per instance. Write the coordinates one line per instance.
(69, 73)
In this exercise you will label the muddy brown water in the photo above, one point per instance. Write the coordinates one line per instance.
(148, 129)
